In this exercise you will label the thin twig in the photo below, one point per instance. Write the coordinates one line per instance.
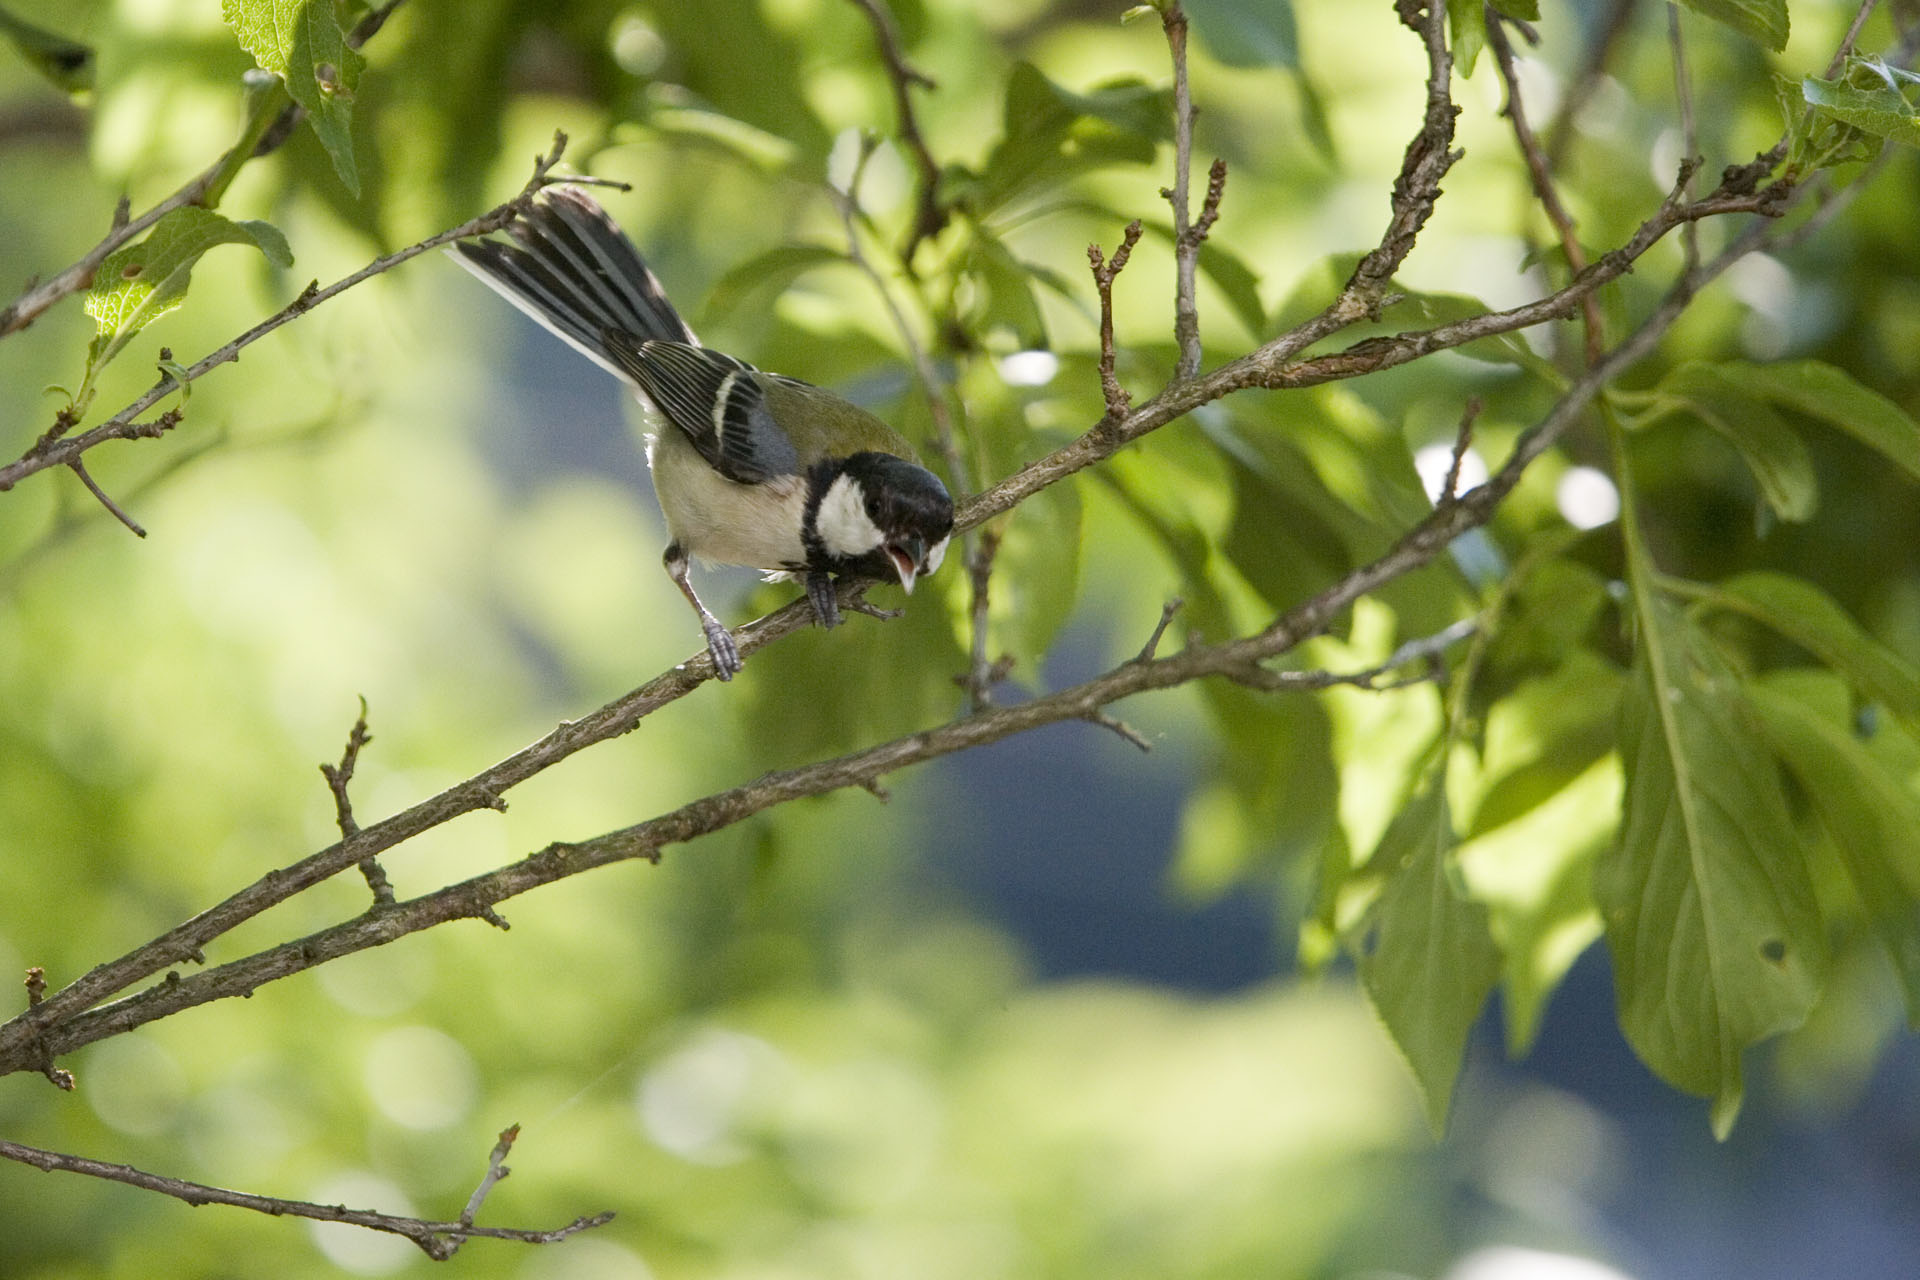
(1541, 173)
(1689, 133)
(79, 469)
(338, 776)
(1152, 646)
(1126, 731)
(929, 214)
(1104, 271)
(438, 1240)
(983, 673)
(1187, 236)
(496, 1170)
(1462, 441)
(258, 138)
(1425, 649)
(54, 450)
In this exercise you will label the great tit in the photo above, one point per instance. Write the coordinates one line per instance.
(750, 468)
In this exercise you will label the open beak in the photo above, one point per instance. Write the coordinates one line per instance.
(906, 561)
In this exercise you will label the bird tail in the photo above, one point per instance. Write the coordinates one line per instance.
(576, 273)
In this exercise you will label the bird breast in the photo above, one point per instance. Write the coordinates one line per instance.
(719, 520)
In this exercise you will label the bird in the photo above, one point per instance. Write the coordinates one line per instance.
(750, 468)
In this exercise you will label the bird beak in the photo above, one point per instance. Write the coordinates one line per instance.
(906, 561)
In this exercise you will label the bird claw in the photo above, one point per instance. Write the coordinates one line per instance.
(721, 648)
(820, 594)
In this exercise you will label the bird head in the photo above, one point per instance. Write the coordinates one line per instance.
(877, 513)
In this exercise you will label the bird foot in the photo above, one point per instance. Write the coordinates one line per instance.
(820, 594)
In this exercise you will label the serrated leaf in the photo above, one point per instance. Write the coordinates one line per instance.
(1247, 33)
(1830, 394)
(1876, 106)
(1432, 962)
(1761, 20)
(143, 281)
(301, 42)
(1873, 818)
(1772, 449)
(1813, 620)
(766, 274)
(1709, 908)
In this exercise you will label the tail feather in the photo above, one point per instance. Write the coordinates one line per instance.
(575, 272)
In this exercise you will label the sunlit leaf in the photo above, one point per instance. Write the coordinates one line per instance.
(1431, 962)
(144, 281)
(1466, 32)
(301, 42)
(1761, 20)
(1868, 98)
(1873, 817)
(1717, 942)
(1007, 297)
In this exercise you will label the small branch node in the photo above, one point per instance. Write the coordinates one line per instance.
(1152, 645)
(1462, 441)
(79, 469)
(1121, 727)
(874, 788)
(496, 1170)
(36, 985)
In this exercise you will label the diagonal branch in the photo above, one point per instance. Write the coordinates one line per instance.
(438, 1240)
(269, 125)
(929, 214)
(55, 449)
(476, 897)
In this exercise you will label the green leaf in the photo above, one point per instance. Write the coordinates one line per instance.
(1467, 29)
(767, 274)
(1869, 99)
(1040, 584)
(1247, 33)
(143, 281)
(1524, 10)
(1873, 817)
(1006, 298)
(1050, 133)
(1761, 20)
(1709, 908)
(1432, 962)
(1774, 452)
(1831, 395)
(301, 42)
(67, 63)
(1813, 620)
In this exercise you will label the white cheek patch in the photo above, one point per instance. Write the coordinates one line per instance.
(935, 556)
(845, 528)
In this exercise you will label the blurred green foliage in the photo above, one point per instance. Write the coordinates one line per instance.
(791, 1050)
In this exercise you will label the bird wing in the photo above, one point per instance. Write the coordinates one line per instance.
(718, 401)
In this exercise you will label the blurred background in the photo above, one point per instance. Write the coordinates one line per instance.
(1041, 1014)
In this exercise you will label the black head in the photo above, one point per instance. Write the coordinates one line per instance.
(877, 514)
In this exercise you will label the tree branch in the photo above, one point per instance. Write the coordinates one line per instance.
(438, 1240)
(55, 448)
(268, 126)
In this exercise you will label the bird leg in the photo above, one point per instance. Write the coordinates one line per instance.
(820, 594)
(725, 653)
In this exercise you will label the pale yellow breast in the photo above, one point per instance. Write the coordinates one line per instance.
(719, 521)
